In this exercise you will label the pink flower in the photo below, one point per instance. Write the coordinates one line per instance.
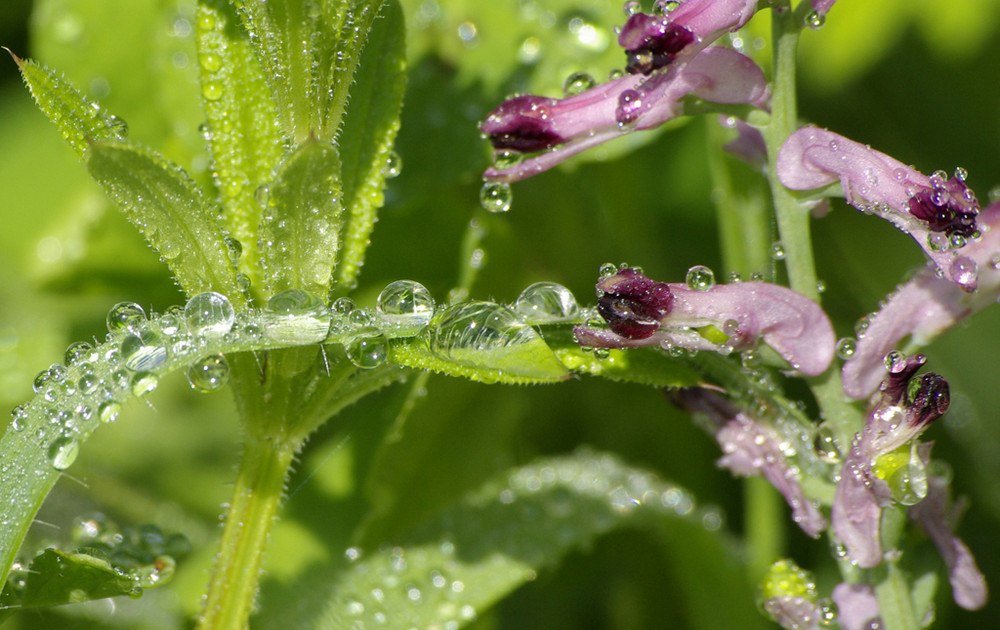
(752, 447)
(924, 307)
(556, 129)
(938, 212)
(643, 312)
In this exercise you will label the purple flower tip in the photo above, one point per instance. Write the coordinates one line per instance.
(652, 42)
(930, 399)
(522, 124)
(901, 370)
(949, 207)
(632, 304)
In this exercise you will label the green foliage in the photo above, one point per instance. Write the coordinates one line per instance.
(408, 466)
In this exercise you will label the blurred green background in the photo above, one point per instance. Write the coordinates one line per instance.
(914, 78)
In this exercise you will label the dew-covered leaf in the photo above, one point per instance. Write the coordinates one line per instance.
(481, 341)
(367, 135)
(57, 577)
(645, 366)
(309, 51)
(301, 226)
(163, 202)
(79, 119)
(448, 571)
(242, 126)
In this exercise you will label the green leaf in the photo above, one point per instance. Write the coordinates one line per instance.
(369, 131)
(645, 366)
(481, 341)
(243, 130)
(302, 223)
(472, 554)
(57, 577)
(309, 51)
(162, 201)
(79, 119)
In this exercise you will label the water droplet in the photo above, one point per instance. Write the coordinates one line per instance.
(143, 351)
(663, 7)
(820, 286)
(825, 445)
(607, 269)
(205, 131)
(393, 165)
(88, 384)
(63, 451)
(503, 159)
(143, 383)
(210, 62)
(108, 411)
(632, 7)
(118, 127)
(577, 83)
(828, 612)
(601, 353)
(79, 352)
(209, 313)
(546, 302)
(495, 196)
(19, 417)
(211, 90)
(629, 107)
(296, 316)
(815, 20)
(125, 316)
(894, 361)
(208, 374)
(368, 351)
(700, 278)
(846, 347)
(777, 251)
(405, 305)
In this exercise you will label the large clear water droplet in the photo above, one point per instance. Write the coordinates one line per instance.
(125, 316)
(63, 451)
(209, 374)
(393, 165)
(495, 196)
(815, 20)
(209, 313)
(143, 351)
(80, 352)
(463, 331)
(700, 278)
(846, 347)
(406, 307)
(546, 302)
(296, 316)
(368, 350)
(19, 417)
(577, 83)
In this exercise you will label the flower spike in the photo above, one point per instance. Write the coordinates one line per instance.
(939, 213)
(643, 312)
(907, 406)
(556, 129)
(924, 307)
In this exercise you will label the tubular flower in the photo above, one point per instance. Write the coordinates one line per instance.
(643, 312)
(934, 516)
(752, 447)
(877, 470)
(938, 212)
(858, 606)
(654, 41)
(924, 307)
(556, 129)
(822, 7)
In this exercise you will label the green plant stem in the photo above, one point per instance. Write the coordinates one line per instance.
(256, 499)
(793, 218)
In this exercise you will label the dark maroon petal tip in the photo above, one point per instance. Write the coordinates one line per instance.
(632, 304)
(949, 206)
(652, 42)
(896, 382)
(522, 124)
(929, 399)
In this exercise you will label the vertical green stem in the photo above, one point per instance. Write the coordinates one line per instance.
(251, 512)
(793, 218)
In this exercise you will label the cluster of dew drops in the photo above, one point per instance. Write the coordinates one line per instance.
(93, 382)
